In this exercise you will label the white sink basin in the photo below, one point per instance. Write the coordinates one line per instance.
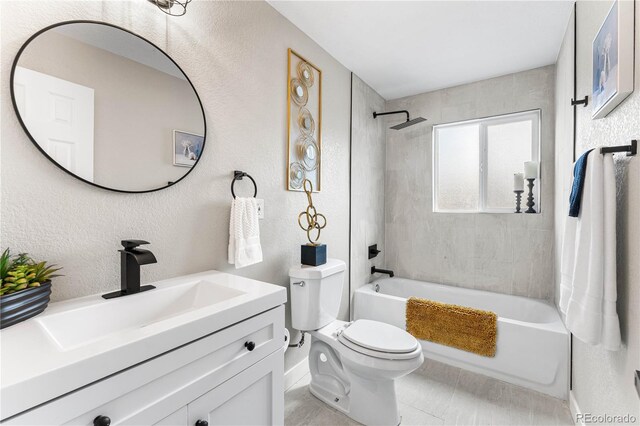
(79, 341)
(77, 327)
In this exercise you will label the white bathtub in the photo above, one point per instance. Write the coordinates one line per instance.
(532, 346)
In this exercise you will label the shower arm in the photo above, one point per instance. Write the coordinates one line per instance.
(404, 111)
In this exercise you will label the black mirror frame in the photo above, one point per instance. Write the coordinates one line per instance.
(43, 152)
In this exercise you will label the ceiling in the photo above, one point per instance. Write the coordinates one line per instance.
(121, 43)
(402, 48)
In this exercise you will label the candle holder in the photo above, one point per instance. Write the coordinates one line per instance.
(518, 199)
(530, 202)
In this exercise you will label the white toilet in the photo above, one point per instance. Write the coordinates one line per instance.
(353, 364)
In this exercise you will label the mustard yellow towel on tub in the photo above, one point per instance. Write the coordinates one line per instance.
(469, 329)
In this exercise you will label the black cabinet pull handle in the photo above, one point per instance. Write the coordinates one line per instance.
(101, 421)
(250, 346)
(202, 423)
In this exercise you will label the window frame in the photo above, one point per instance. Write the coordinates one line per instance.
(535, 115)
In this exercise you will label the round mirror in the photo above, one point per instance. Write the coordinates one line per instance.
(108, 106)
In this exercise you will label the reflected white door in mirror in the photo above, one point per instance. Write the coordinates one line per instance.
(58, 113)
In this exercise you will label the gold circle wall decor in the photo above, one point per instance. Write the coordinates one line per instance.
(296, 175)
(308, 152)
(306, 123)
(305, 74)
(299, 92)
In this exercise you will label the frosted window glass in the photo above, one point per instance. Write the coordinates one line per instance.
(508, 147)
(474, 161)
(458, 154)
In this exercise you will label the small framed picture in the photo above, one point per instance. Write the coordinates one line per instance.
(613, 59)
(187, 148)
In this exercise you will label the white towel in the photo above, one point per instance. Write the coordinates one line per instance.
(588, 267)
(244, 233)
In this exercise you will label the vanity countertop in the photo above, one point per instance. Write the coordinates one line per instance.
(77, 342)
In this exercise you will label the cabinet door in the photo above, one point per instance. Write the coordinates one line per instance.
(178, 418)
(253, 397)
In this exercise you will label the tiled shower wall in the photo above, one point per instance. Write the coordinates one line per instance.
(505, 253)
(367, 181)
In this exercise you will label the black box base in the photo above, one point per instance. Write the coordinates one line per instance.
(313, 255)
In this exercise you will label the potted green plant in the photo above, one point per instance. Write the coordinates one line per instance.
(25, 287)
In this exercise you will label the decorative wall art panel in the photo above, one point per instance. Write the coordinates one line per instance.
(304, 123)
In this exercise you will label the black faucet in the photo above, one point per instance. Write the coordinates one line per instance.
(131, 258)
(375, 270)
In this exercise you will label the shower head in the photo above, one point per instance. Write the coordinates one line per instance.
(401, 125)
(408, 123)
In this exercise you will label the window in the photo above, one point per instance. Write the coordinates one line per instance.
(474, 162)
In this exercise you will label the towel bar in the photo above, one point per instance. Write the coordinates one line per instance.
(238, 175)
(629, 149)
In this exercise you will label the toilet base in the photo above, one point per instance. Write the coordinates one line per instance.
(370, 402)
(340, 403)
(358, 385)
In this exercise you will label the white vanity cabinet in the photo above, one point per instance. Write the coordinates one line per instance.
(253, 397)
(232, 377)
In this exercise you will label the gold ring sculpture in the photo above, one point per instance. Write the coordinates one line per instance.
(315, 221)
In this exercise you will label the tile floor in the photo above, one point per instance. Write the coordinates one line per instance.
(438, 394)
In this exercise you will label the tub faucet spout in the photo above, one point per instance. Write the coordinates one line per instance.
(375, 270)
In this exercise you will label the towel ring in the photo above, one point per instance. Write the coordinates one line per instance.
(238, 175)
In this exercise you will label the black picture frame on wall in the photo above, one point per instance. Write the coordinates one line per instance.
(43, 152)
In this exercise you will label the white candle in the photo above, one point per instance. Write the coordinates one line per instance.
(518, 182)
(531, 169)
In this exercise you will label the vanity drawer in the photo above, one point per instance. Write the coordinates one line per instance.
(158, 387)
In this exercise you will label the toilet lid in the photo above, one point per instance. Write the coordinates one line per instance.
(380, 337)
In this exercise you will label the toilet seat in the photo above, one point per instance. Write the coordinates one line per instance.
(379, 340)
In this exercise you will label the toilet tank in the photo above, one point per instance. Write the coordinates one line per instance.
(316, 293)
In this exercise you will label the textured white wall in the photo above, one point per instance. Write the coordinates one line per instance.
(368, 143)
(236, 55)
(505, 253)
(603, 380)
